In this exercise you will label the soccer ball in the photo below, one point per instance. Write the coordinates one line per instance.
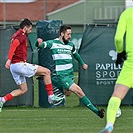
(118, 114)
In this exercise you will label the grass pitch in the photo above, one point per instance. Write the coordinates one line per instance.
(70, 119)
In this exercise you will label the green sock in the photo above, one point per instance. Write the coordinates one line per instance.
(89, 105)
(112, 109)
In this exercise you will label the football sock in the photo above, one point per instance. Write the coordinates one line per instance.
(110, 124)
(89, 105)
(112, 109)
(49, 89)
(7, 97)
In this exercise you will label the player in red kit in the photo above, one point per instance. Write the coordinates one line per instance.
(20, 69)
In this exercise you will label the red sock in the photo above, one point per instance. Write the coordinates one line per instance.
(49, 89)
(8, 97)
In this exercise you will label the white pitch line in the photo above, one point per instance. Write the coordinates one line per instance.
(27, 110)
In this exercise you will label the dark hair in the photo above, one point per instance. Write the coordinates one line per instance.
(25, 22)
(64, 28)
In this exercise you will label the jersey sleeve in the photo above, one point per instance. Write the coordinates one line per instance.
(77, 56)
(120, 31)
(46, 44)
(14, 44)
(19, 36)
(73, 48)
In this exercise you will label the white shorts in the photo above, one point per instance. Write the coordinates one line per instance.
(21, 70)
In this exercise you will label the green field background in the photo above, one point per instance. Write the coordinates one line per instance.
(69, 119)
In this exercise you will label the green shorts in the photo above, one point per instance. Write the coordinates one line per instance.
(126, 75)
(66, 80)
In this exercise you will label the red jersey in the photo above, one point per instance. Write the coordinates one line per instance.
(18, 47)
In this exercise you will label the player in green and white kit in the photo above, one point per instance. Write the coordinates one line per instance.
(125, 79)
(62, 51)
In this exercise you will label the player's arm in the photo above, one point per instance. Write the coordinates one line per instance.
(79, 59)
(119, 36)
(119, 39)
(42, 44)
(39, 43)
(14, 44)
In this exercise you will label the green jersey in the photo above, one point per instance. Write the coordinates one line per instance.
(62, 55)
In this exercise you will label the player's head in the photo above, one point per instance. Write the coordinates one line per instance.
(26, 25)
(65, 33)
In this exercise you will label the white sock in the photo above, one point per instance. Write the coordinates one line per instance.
(3, 100)
(109, 124)
(51, 95)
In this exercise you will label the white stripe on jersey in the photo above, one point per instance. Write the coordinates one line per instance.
(74, 52)
(45, 44)
(56, 46)
(61, 56)
(63, 67)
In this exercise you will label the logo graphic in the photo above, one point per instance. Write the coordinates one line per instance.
(88, 105)
(67, 83)
(107, 73)
(113, 54)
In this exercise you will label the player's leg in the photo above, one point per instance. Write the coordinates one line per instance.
(121, 88)
(19, 71)
(22, 89)
(46, 78)
(78, 91)
(67, 82)
(119, 93)
(67, 92)
(48, 84)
